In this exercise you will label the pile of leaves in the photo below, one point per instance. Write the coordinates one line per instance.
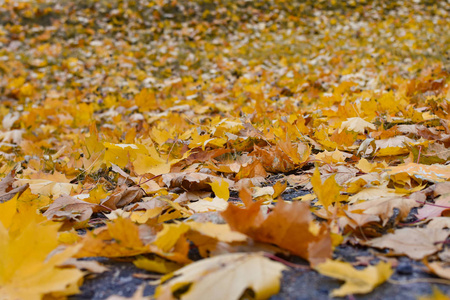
(153, 130)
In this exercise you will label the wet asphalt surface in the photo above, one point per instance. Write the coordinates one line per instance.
(296, 284)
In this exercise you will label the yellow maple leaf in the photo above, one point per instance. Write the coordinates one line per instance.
(160, 136)
(120, 238)
(327, 192)
(16, 214)
(27, 268)
(356, 281)
(157, 264)
(118, 154)
(220, 189)
(168, 237)
(146, 100)
(151, 164)
(367, 167)
(148, 160)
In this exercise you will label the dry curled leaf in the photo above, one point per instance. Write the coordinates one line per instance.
(71, 209)
(123, 196)
(6, 188)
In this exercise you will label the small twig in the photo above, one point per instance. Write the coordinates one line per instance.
(105, 207)
(149, 179)
(147, 276)
(173, 145)
(418, 280)
(97, 221)
(285, 262)
(431, 204)
(442, 242)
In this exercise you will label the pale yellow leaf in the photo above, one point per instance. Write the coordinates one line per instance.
(232, 274)
(357, 125)
(413, 242)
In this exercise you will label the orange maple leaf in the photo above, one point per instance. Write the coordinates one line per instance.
(288, 226)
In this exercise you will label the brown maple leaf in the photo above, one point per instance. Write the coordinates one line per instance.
(6, 188)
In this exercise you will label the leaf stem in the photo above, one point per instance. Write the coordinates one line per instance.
(149, 179)
(285, 262)
(432, 204)
(105, 207)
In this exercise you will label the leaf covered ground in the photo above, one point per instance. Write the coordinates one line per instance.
(216, 145)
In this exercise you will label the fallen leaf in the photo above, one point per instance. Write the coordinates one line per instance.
(356, 220)
(118, 239)
(357, 125)
(393, 146)
(441, 269)
(416, 243)
(327, 192)
(384, 207)
(6, 188)
(439, 223)
(122, 196)
(207, 235)
(221, 232)
(331, 157)
(71, 209)
(283, 157)
(374, 193)
(278, 189)
(192, 181)
(287, 226)
(234, 273)
(208, 204)
(91, 266)
(433, 173)
(28, 270)
(47, 187)
(157, 265)
(356, 281)
(171, 243)
(431, 210)
(220, 189)
(367, 167)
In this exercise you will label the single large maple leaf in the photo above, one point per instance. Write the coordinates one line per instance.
(289, 226)
(28, 270)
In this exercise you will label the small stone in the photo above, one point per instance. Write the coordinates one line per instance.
(405, 268)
